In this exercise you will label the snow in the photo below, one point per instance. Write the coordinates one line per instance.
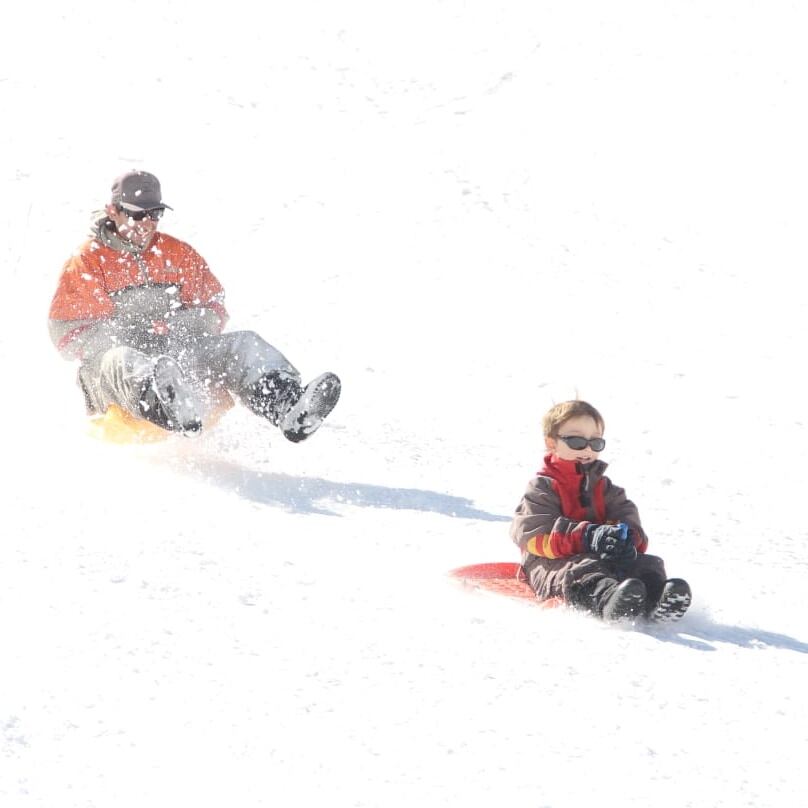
(469, 211)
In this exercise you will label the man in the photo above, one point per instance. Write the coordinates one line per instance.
(144, 314)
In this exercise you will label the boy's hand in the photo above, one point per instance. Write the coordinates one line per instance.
(610, 542)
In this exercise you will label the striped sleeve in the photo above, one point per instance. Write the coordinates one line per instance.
(538, 526)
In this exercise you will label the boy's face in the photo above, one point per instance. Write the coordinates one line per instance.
(582, 426)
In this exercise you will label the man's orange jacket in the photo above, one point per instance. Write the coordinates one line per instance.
(108, 288)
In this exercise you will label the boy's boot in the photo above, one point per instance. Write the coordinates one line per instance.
(627, 599)
(673, 603)
(166, 399)
(297, 411)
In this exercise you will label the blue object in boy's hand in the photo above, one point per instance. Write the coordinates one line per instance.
(610, 542)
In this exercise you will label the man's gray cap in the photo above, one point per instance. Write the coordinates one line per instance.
(138, 190)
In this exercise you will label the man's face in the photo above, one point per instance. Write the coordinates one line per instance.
(581, 426)
(137, 231)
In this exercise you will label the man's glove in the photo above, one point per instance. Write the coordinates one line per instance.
(610, 542)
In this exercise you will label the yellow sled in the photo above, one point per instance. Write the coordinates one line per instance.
(118, 426)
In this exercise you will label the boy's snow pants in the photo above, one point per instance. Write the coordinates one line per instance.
(585, 580)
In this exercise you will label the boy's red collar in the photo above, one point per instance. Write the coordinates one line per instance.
(554, 466)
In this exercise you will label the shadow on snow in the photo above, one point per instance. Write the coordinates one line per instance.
(702, 634)
(311, 495)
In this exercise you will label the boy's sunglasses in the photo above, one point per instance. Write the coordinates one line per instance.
(577, 442)
(139, 215)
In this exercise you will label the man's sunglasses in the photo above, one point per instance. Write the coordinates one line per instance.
(577, 442)
(139, 215)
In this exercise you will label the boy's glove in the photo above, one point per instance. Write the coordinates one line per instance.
(610, 542)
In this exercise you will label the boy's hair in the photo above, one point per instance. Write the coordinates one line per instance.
(556, 417)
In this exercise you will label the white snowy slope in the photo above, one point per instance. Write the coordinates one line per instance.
(470, 211)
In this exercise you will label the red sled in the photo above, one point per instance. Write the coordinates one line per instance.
(503, 578)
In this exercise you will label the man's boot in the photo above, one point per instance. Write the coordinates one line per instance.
(166, 399)
(297, 411)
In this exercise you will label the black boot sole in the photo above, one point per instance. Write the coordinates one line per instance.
(675, 601)
(317, 402)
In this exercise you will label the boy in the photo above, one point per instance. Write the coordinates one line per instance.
(581, 537)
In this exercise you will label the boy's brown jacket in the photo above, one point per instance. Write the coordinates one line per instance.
(562, 500)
